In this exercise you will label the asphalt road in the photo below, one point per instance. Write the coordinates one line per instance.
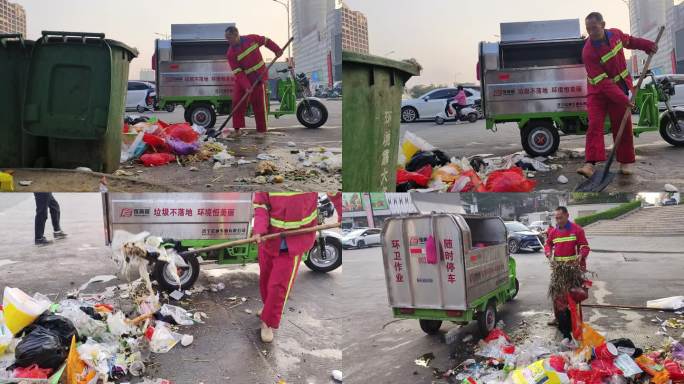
(281, 132)
(657, 161)
(226, 349)
(382, 350)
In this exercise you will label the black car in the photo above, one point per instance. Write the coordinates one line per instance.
(521, 238)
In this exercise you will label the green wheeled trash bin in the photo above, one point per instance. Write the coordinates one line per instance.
(15, 54)
(75, 99)
(371, 120)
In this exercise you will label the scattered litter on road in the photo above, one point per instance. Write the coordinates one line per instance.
(562, 179)
(25, 183)
(424, 360)
(423, 167)
(337, 375)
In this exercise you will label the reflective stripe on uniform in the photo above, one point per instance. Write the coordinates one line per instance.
(254, 68)
(236, 71)
(621, 75)
(598, 79)
(292, 277)
(564, 239)
(613, 52)
(264, 206)
(565, 258)
(247, 51)
(295, 224)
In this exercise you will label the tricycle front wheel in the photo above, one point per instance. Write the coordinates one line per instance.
(312, 114)
(431, 327)
(671, 131)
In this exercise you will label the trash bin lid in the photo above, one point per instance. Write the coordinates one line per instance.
(132, 51)
(410, 69)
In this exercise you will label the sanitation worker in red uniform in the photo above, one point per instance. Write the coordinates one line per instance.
(279, 258)
(609, 86)
(566, 243)
(248, 66)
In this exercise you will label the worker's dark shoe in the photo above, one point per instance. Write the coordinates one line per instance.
(587, 170)
(553, 322)
(627, 169)
(266, 333)
(43, 242)
(59, 235)
(569, 343)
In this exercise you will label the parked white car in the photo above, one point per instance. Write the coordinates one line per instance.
(140, 96)
(427, 106)
(361, 238)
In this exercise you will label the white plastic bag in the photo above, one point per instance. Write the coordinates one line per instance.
(85, 325)
(180, 315)
(133, 150)
(673, 302)
(117, 325)
(163, 339)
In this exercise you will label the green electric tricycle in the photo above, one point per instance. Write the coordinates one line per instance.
(467, 276)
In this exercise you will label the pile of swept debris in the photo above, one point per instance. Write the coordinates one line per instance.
(425, 168)
(520, 359)
(154, 143)
(94, 338)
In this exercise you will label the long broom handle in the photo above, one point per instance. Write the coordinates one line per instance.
(251, 89)
(263, 238)
(628, 111)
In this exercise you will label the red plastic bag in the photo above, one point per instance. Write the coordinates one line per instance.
(32, 372)
(495, 334)
(420, 177)
(605, 367)
(158, 144)
(675, 370)
(587, 377)
(509, 180)
(473, 185)
(183, 132)
(156, 159)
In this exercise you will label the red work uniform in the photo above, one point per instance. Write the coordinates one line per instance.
(567, 244)
(609, 82)
(248, 66)
(275, 212)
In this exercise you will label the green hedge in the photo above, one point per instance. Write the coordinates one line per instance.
(609, 214)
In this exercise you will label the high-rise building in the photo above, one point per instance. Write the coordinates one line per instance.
(675, 20)
(354, 30)
(321, 30)
(645, 17)
(12, 18)
(313, 42)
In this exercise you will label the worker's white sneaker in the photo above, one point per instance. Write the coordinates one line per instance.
(266, 333)
(627, 168)
(587, 170)
(261, 135)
